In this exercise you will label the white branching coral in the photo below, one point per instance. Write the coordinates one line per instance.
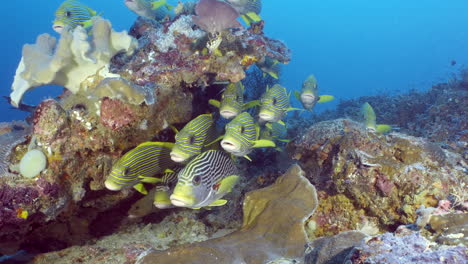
(182, 25)
(72, 61)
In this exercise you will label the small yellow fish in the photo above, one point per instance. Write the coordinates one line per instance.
(248, 9)
(232, 101)
(309, 94)
(274, 104)
(72, 13)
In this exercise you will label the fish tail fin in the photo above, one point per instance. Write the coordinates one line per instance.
(382, 128)
(325, 98)
(253, 16)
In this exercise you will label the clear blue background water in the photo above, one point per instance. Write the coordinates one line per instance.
(354, 48)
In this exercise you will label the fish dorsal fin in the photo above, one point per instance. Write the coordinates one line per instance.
(247, 158)
(226, 184)
(325, 98)
(250, 104)
(140, 188)
(214, 103)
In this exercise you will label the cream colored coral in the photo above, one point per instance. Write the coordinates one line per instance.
(74, 59)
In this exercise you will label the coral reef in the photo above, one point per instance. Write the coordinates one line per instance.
(404, 248)
(266, 233)
(367, 179)
(74, 62)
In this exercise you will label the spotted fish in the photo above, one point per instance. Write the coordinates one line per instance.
(72, 13)
(205, 180)
(274, 104)
(140, 165)
(370, 119)
(242, 136)
(232, 101)
(309, 94)
(193, 137)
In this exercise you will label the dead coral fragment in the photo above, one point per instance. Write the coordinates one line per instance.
(268, 233)
(11, 134)
(215, 16)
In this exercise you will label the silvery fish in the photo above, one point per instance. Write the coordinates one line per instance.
(205, 180)
(309, 94)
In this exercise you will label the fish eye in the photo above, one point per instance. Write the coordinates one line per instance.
(242, 130)
(126, 171)
(238, 98)
(196, 180)
(68, 14)
(274, 101)
(192, 140)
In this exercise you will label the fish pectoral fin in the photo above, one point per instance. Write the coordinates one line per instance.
(87, 24)
(382, 128)
(281, 123)
(325, 98)
(253, 16)
(150, 179)
(250, 104)
(174, 129)
(264, 143)
(294, 109)
(214, 141)
(219, 202)
(168, 171)
(248, 158)
(297, 94)
(140, 188)
(227, 183)
(214, 103)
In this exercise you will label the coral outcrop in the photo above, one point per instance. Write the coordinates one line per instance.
(75, 62)
(370, 181)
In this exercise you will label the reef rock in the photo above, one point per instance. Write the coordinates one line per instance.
(404, 248)
(334, 249)
(373, 182)
(267, 233)
(74, 62)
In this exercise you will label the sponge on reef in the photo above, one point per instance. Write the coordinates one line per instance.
(75, 58)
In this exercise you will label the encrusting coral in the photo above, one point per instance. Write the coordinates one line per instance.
(75, 62)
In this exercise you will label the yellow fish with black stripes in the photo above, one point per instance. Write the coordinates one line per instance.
(249, 10)
(370, 119)
(158, 10)
(309, 94)
(140, 165)
(196, 134)
(274, 104)
(72, 13)
(242, 136)
(205, 180)
(232, 101)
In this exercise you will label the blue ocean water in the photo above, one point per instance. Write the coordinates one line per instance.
(354, 48)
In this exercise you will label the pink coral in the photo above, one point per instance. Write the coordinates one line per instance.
(115, 114)
(215, 16)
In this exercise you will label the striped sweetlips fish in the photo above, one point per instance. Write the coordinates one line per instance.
(196, 134)
(309, 94)
(205, 180)
(232, 101)
(140, 165)
(274, 104)
(72, 13)
(242, 136)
